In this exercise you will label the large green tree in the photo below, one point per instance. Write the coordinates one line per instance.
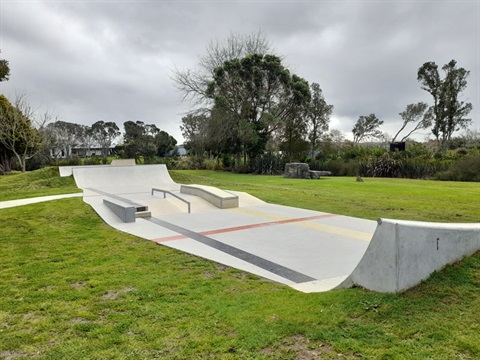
(18, 137)
(258, 95)
(4, 70)
(165, 143)
(318, 116)
(417, 114)
(366, 127)
(146, 140)
(5, 154)
(448, 110)
(105, 134)
(293, 143)
(66, 136)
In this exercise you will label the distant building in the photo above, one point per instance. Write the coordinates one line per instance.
(95, 150)
(179, 150)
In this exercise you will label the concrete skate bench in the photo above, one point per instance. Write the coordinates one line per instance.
(125, 211)
(219, 198)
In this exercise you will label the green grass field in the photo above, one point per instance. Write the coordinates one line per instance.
(71, 287)
(405, 199)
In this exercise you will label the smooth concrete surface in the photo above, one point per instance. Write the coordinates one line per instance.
(124, 177)
(35, 200)
(220, 198)
(308, 250)
(403, 253)
(123, 162)
(68, 170)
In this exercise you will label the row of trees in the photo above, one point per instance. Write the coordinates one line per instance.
(246, 103)
(61, 137)
(24, 134)
(447, 115)
(140, 140)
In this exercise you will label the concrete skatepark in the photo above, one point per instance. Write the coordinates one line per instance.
(308, 250)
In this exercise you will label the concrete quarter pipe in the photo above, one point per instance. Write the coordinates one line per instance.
(307, 250)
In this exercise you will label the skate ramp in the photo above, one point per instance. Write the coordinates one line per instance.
(308, 250)
(122, 177)
(403, 253)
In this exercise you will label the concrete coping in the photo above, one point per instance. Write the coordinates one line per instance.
(220, 198)
(123, 162)
(425, 224)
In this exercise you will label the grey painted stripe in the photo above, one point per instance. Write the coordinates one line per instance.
(265, 264)
(113, 196)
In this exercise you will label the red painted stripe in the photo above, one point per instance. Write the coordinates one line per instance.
(169, 238)
(246, 227)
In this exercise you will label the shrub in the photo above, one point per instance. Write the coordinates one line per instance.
(213, 164)
(400, 165)
(73, 161)
(94, 160)
(340, 167)
(465, 169)
(269, 164)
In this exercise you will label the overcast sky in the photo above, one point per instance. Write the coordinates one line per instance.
(86, 61)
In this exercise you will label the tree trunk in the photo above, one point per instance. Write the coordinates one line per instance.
(238, 160)
(22, 162)
(5, 164)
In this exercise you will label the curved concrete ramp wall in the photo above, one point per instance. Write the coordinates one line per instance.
(403, 253)
(117, 176)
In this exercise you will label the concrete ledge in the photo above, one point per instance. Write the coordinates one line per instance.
(215, 196)
(126, 212)
(403, 253)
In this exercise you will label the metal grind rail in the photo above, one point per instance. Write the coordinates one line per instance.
(165, 192)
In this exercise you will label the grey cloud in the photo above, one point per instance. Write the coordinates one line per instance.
(113, 60)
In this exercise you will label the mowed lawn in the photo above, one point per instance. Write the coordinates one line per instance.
(422, 200)
(71, 287)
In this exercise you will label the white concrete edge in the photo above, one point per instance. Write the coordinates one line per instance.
(404, 253)
(320, 285)
(21, 202)
(68, 170)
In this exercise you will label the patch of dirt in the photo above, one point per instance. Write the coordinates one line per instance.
(300, 348)
(47, 288)
(113, 294)
(79, 285)
(11, 355)
(221, 267)
(79, 320)
(209, 275)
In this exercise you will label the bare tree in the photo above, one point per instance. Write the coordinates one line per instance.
(471, 138)
(192, 83)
